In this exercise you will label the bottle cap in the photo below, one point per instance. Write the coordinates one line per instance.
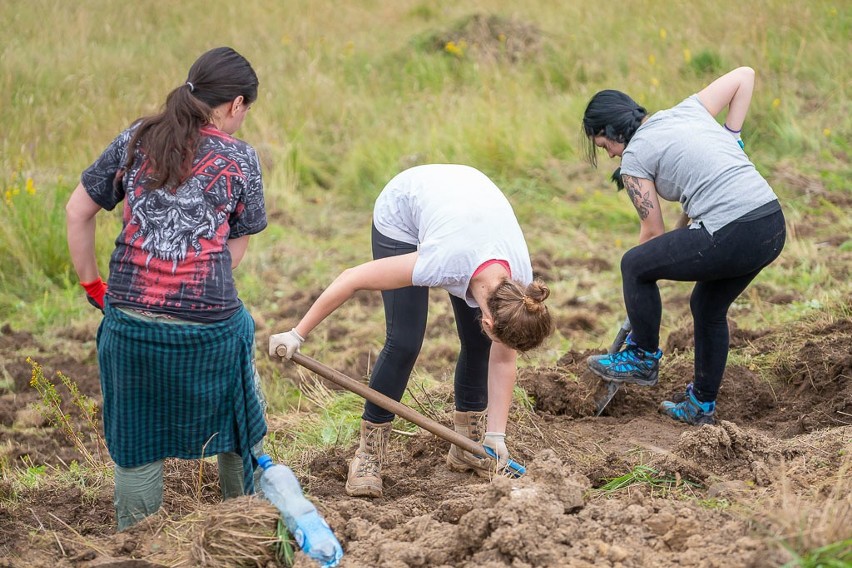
(264, 461)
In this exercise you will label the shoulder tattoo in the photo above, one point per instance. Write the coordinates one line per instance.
(640, 200)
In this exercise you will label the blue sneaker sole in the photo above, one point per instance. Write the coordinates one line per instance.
(649, 382)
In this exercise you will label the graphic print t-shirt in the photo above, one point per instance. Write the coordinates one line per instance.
(172, 255)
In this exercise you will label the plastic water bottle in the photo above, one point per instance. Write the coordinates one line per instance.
(312, 533)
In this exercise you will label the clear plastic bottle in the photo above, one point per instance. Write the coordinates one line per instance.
(312, 533)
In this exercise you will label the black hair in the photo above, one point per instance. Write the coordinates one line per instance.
(611, 114)
(170, 139)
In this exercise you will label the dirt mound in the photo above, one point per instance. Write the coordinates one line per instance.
(726, 451)
(683, 339)
(496, 524)
(816, 367)
(544, 519)
(489, 38)
(568, 389)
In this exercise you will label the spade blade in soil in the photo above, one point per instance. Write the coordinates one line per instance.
(606, 397)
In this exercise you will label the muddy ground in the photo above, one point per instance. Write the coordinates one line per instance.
(776, 462)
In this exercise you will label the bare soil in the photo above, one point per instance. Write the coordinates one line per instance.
(720, 493)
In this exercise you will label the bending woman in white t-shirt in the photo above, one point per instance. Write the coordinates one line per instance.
(450, 227)
(735, 229)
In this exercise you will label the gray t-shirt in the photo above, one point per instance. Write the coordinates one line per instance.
(692, 159)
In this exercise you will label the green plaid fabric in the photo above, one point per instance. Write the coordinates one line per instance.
(184, 391)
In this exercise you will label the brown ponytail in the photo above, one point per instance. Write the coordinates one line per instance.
(519, 317)
(170, 140)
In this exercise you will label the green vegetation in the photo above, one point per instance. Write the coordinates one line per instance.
(52, 408)
(647, 476)
(344, 108)
(835, 555)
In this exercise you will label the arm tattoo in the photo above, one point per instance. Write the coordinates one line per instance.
(641, 202)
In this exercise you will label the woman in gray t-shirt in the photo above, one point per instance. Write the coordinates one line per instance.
(732, 225)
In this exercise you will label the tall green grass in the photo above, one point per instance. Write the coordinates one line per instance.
(351, 93)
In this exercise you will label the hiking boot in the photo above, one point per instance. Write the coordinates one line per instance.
(365, 469)
(469, 424)
(690, 410)
(630, 365)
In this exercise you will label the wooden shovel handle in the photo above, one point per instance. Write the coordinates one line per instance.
(389, 404)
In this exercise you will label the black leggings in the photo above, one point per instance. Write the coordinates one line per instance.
(722, 265)
(405, 320)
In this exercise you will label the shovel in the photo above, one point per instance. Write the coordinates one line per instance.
(612, 387)
(511, 469)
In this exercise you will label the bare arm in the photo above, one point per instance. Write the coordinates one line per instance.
(238, 248)
(732, 90)
(502, 368)
(80, 225)
(383, 274)
(643, 194)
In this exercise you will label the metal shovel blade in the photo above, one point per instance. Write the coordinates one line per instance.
(611, 387)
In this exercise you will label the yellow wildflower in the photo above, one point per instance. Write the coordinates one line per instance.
(663, 33)
(30, 186)
(687, 55)
(776, 103)
(651, 59)
(826, 131)
(655, 82)
(456, 49)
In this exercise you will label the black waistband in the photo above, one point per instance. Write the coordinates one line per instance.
(762, 211)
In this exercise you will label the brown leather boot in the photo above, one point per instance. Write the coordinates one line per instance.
(470, 425)
(365, 469)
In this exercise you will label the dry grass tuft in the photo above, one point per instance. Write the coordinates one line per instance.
(805, 523)
(239, 532)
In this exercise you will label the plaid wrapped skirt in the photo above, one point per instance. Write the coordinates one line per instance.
(175, 390)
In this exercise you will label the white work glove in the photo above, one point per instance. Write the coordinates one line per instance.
(737, 134)
(497, 442)
(285, 344)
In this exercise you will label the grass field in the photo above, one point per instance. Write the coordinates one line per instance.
(352, 93)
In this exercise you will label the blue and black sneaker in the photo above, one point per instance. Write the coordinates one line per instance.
(630, 365)
(690, 410)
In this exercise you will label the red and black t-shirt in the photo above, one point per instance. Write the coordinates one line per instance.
(172, 254)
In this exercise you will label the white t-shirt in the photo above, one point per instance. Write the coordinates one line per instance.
(458, 219)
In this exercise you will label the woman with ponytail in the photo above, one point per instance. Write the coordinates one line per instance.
(731, 228)
(176, 344)
(450, 227)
